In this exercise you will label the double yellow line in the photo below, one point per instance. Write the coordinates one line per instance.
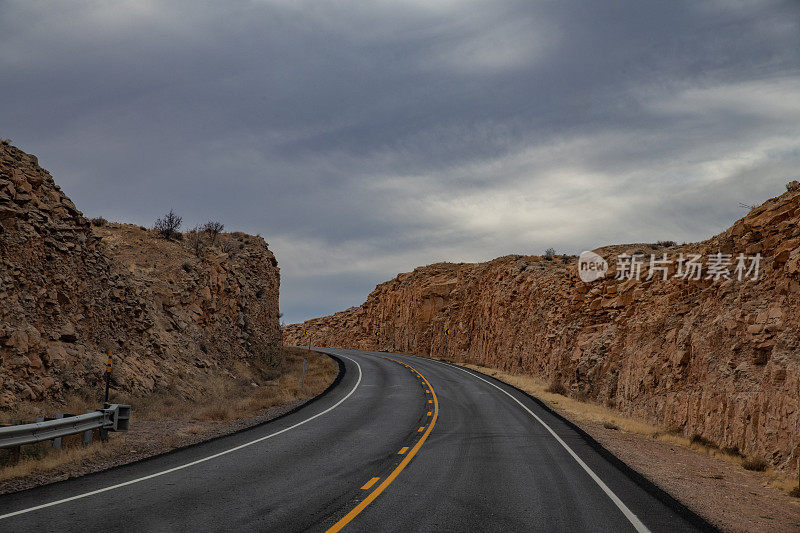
(346, 519)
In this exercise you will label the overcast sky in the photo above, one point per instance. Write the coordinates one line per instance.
(362, 139)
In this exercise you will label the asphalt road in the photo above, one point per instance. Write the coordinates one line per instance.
(451, 451)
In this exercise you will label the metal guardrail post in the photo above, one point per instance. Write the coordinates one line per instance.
(87, 435)
(57, 440)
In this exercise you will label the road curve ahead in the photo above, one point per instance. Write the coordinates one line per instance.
(401, 443)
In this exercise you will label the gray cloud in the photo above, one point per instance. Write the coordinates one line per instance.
(364, 138)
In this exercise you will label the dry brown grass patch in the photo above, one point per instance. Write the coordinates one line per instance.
(47, 459)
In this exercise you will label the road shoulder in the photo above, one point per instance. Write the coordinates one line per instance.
(720, 491)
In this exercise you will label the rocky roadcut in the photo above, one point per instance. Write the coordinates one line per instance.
(716, 359)
(71, 291)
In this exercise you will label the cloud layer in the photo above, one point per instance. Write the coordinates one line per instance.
(362, 139)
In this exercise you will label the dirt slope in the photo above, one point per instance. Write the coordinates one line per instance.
(720, 359)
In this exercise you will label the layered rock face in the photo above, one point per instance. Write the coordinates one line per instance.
(719, 358)
(71, 291)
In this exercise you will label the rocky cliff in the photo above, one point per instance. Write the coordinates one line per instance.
(717, 358)
(70, 291)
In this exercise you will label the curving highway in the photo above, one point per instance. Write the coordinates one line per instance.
(400, 443)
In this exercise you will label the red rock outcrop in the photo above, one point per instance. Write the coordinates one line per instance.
(70, 291)
(716, 358)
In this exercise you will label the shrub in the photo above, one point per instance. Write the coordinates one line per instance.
(213, 228)
(6, 141)
(696, 438)
(549, 254)
(186, 266)
(610, 425)
(230, 247)
(98, 221)
(732, 450)
(168, 225)
(556, 387)
(666, 244)
(195, 238)
(793, 186)
(756, 464)
(795, 492)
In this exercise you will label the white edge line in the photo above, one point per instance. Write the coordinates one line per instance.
(632, 518)
(187, 465)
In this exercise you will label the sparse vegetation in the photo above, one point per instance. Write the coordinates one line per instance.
(756, 464)
(549, 254)
(665, 244)
(169, 225)
(702, 441)
(6, 141)
(229, 246)
(733, 451)
(213, 228)
(196, 243)
(793, 186)
(610, 425)
(98, 221)
(556, 387)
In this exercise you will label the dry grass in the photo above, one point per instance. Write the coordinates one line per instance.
(249, 387)
(243, 390)
(47, 459)
(590, 412)
(757, 464)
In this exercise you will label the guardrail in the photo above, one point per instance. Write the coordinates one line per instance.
(114, 417)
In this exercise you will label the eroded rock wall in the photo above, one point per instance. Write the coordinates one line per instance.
(716, 358)
(69, 291)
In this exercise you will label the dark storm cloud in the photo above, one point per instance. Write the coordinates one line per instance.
(365, 138)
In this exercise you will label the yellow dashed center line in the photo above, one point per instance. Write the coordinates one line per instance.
(420, 430)
(346, 519)
(403, 450)
(429, 413)
(369, 483)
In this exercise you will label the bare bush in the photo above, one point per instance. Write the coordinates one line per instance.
(665, 244)
(229, 246)
(793, 186)
(98, 221)
(213, 228)
(169, 225)
(549, 254)
(196, 243)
